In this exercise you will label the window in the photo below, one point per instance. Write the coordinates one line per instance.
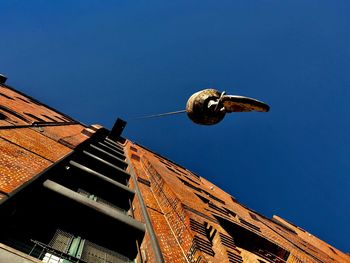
(61, 118)
(333, 250)
(230, 212)
(133, 149)
(6, 96)
(135, 157)
(233, 199)
(171, 169)
(11, 112)
(253, 242)
(191, 180)
(22, 99)
(204, 200)
(213, 197)
(2, 116)
(254, 217)
(48, 117)
(34, 117)
(195, 175)
(144, 181)
(218, 209)
(189, 185)
(196, 212)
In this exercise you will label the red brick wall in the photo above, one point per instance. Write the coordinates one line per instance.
(27, 149)
(177, 202)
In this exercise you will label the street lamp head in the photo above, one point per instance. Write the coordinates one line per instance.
(209, 106)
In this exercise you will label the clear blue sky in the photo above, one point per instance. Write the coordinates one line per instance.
(99, 60)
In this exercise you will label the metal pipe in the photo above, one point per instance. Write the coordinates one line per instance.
(154, 241)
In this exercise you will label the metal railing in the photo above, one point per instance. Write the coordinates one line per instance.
(50, 255)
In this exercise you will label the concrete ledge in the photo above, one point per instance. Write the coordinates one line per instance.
(9, 254)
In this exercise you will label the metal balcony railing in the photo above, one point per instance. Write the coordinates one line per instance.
(92, 253)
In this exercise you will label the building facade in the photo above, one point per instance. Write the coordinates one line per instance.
(76, 193)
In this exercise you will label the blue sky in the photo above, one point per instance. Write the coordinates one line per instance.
(97, 61)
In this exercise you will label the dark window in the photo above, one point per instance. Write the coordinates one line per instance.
(213, 197)
(35, 102)
(48, 117)
(194, 211)
(67, 119)
(135, 157)
(133, 149)
(144, 181)
(195, 175)
(189, 185)
(253, 242)
(218, 209)
(34, 117)
(22, 99)
(254, 217)
(171, 169)
(58, 117)
(191, 180)
(333, 250)
(6, 96)
(165, 161)
(180, 171)
(2, 116)
(9, 111)
(230, 212)
(204, 200)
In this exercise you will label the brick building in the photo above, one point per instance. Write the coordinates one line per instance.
(76, 193)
